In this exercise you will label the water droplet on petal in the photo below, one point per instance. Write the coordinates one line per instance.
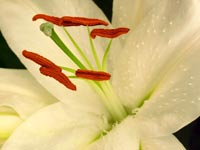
(191, 77)
(164, 30)
(190, 84)
(169, 42)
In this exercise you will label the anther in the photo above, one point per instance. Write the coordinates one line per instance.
(59, 76)
(40, 60)
(77, 21)
(52, 19)
(108, 33)
(70, 21)
(48, 68)
(93, 75)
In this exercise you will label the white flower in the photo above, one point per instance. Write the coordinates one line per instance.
(155, 74)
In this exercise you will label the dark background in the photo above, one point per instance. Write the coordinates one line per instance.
(189, 136)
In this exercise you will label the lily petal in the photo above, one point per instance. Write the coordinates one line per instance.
(129, 13)
(153, 49)
(66, 129)
(21, 33)
(123, 136)
(20, 91)
(176, 100)
(162, 143)
(9, 120)
(128, 135)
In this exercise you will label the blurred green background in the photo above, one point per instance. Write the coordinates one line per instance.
(189, 136)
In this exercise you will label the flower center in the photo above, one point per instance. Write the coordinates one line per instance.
(97, 78)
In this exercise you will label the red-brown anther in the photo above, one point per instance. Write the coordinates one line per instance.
(52, 19)
(78, 21)
(70, 21)
(109, 33)
(93, 75)
(42, 61)
(59, 76)
(50, 69)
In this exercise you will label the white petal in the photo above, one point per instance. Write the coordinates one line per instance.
(162, 143)
(20, 91)
(123, 136)
(21, 33)
(176, 100)
(9, 120)
(154, 47)
(129, 13)
(56, 127)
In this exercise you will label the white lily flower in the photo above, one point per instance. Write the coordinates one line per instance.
(154, 90)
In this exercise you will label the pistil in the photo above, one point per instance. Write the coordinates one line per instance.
(54, 36)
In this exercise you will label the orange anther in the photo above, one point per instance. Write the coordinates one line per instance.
(59, 76)
(93, 75)
(48, 68)
(77, 21)
(70, 21)
(40, 60)
(109, 33)
(52, 19)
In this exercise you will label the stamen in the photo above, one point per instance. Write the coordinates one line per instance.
(52, 19)
(47, 28)
(108, 33)
(59, 76)
(93, 75)
(42, 61)
(77, 21)
(70, 21)
(48, 68)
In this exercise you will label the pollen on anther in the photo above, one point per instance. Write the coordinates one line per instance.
(40, 60)
(93, 75)
(59, 76)
(70, 21)
(52, 19)
(77, 21)
(50, 69)
(108, 33)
